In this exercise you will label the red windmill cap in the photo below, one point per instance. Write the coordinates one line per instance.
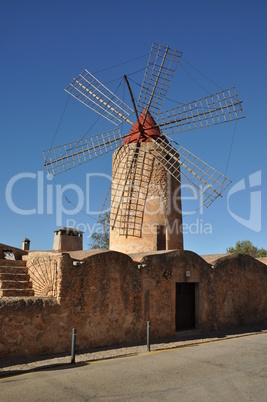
(144, 131)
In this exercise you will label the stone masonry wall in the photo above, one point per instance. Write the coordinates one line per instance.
(109, 298)
(239, 284)
(159, 278)
(105, 300)
(28, 326)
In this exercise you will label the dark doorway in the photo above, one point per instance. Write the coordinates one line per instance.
(185, 306)
(161, 238)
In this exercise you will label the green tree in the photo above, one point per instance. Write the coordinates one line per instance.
(100, 237)
(262, 253)
(246, 247)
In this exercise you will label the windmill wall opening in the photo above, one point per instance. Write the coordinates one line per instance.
(161, 238)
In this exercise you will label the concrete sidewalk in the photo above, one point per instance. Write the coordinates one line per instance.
(9, 367)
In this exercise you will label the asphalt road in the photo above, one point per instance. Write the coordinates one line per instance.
(228, 370)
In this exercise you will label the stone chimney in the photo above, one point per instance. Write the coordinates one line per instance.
(26, 244)
(67, 239)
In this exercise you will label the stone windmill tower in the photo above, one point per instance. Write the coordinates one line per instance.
(148, 166)
(145, 203)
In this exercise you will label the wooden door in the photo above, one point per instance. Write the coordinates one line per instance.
(185, 306)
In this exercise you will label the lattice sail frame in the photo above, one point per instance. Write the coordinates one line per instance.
(203, 181)
(221, 107)
(67, 156)
(162, 64)
(92, 93)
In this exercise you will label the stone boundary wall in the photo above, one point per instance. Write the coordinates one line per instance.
(28, 326)
(239, 287)
(108, 298)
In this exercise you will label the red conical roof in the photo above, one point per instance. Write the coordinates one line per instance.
(144, 131)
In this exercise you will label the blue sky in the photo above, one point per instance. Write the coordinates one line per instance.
(45, 44)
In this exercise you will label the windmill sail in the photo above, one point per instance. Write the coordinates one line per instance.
(67, 156)
(93, 94)
(219, 108)
(202, 180)
(161, 66)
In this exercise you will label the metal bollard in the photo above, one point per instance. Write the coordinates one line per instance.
(73, 345)
(148, 336)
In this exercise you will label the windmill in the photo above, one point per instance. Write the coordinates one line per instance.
(148, 165)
